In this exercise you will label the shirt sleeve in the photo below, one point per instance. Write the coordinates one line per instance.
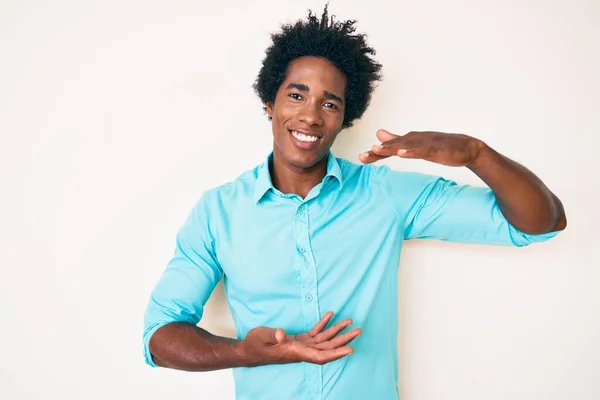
(189, 278)
(432, 207)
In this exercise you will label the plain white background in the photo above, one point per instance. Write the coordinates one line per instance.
(116, 116)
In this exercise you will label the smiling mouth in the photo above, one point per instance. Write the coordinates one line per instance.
(305, 142)
(304, 137)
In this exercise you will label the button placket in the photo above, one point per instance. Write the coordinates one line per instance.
(308, 289)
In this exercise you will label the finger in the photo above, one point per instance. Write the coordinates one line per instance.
(272, 337)
(333, 331)
(321, 324)
(324, 356)
(340, 340)
(385, 150)
(275, 337)
(384, 135)
(407, 141)
(420, 152)
(370, 157)
(280, 336)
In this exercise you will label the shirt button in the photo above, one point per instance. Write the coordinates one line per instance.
(301, 249)
(302, 207)
(308, 298)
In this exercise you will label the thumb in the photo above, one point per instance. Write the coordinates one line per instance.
(276, 336)
(279, 336)
(384, 135)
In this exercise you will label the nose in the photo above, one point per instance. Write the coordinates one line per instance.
(311, 115)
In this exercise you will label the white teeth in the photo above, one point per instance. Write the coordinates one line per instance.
(304, 138)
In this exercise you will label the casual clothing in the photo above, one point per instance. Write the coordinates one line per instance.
(286, 261)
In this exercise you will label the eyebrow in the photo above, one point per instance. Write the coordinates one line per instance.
(303, 88)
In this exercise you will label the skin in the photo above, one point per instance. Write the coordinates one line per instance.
(186, 347)
(523, 198)
(311, 99)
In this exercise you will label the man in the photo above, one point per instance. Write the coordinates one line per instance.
(306, 233)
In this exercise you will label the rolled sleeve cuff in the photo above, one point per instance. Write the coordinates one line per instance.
(148, 332)
(521, 239)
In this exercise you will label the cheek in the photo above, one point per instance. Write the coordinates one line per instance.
(334, 136)
(282, 115)
(334, 124)
(285, 111)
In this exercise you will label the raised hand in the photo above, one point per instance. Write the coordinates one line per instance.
(318, 346)
(450, 149)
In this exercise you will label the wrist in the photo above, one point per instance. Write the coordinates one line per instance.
(245, 355)
(483, 154)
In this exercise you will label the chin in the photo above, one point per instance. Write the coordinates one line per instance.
(300, 155)
(300, 160)
(305, 161)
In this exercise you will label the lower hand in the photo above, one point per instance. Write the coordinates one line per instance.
(318, 346)
(450, 149)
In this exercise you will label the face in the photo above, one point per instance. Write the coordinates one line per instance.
(308, 112)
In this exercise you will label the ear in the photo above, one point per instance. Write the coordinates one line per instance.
(269, 107)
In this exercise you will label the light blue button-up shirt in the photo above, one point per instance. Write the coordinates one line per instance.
(286, 261)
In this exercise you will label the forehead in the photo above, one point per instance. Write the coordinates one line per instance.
(316, 73)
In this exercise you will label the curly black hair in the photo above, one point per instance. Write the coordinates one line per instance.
(329, 39)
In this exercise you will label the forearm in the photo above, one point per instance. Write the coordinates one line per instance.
(186, 347)
(523, 198)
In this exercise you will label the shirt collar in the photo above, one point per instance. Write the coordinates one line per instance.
(264, 182)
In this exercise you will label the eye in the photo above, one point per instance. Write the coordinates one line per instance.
(330, 105)
(295, 96)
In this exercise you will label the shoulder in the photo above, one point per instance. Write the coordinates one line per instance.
(239, 188)
(384, 176)
(230, 194)
(408, 179)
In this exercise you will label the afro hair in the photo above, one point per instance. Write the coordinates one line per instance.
(328, 39)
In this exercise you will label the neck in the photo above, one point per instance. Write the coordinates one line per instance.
(290, 179)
